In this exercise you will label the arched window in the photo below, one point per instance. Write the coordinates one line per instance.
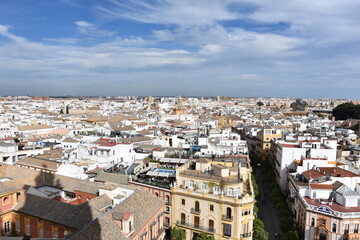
(238, 191)
(197, 206)
(167, 199)
(334, 227)
(157, 194)
(228, 213)
(312, 222)
(231, 192)
(203, 186)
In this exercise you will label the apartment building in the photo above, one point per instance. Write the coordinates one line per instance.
(325, 202)
(285, 155)
(214, 197)
(44, 205)
(264, 139)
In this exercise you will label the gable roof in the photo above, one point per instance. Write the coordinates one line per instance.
(73, 216)
(141, 204)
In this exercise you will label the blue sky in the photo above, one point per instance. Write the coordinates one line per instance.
(285, 48)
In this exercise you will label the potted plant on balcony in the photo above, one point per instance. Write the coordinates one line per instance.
(211, 187)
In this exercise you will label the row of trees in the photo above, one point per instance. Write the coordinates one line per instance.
(347, 110)
(259, 232)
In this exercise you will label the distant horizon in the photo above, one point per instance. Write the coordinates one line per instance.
(170, 96)
(304, 49)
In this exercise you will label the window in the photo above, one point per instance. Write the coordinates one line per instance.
(346, 228)
(183, 217)
(159, 222)
(203, 186)
(70, 195)
(246, 212)
(323, 221)
(197, 206)
(191, 183)
(157, 194)
(312, 222)
(238, 191)
(6, 227)
(142, 237)
(211, 225)
(334, 227)
(196, 222)
(27, 229)
(6, 200)
(245, 228)
(130, 226)
(228, 213)
(183, 201)
(17, 226)
(167, 199)
(231, 192)
(41, 233)
(356, 228)
(167, 209)
(227, 230)
(211, 207)
(216, 189)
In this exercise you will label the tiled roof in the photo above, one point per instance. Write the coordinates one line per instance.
(33, 127)
(321, 186)
(112, 178)
(74, 216)
(312, 174)
(141, 204)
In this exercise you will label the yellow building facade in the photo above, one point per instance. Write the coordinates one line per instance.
(214, 197)
(263, 141)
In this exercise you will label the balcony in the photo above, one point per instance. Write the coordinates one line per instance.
(245, 235)
(210, 175)
(195, 226)
(195, 211)
(225, 217)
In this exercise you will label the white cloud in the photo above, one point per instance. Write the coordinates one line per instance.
(91, 30)
(183, 13)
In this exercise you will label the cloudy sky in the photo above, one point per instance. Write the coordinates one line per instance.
(285, 48)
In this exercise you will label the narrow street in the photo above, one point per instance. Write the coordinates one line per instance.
(267, 212)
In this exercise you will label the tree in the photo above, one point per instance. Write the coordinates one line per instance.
(260, 103)
(259, 231)
(346, 111)
(205, 236)
(178, 234)
(298, 105)
(292, 235)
